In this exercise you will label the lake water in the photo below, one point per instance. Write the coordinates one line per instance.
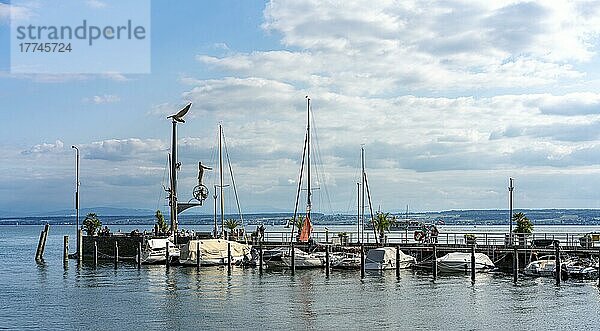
(49, 296)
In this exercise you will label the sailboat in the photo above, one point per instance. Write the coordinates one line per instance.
(302, 259)
(216, 251)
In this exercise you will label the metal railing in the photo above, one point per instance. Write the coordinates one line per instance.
(569, 239)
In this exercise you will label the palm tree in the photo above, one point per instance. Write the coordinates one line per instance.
(91, 224)
(382, 223)
(160, 222)
(299, 223)
(231, 224)
(524, 225)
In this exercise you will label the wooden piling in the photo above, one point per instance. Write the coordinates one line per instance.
(599, 269)
(116, 254)
(198, 257)
(139, 255)
(228, 258)
(39, 247)
(557, 269)
(46, 230)
(397, 261)
(515, 265)
(327, 261)
(362, 261)
(293, 260)
(473, 264)
(79, 245)
(65, 249)
(167, 255)
(95, 254)
(434, 262)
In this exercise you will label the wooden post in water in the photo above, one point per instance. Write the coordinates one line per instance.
(473, 264)
(167, 255)
(66, 249)
(362, 261)
(557, 269)
(95, 254)
(397, 261)
(515, 265)
(39, 247)
(116, 254)
(198, 257)
(599, 269)
(139, 255)
(46, 230)
(260, 256)
(293, 260)
(228, 258)
(434, 262)
(327, 261)
(79, 245)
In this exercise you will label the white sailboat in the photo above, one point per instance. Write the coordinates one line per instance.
(384, 258)
(215, 251)
(302, 259)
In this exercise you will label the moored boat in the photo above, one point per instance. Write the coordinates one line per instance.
(461, 262)
(154, 251)
(214, 252)
(383, 258)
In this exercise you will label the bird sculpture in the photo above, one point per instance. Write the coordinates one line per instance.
(179, 116)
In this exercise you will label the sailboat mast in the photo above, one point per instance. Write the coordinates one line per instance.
(308, 201)
(221, 179)
(362, 160)
(358, 212)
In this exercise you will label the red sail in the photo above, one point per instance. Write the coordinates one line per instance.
(306, 229)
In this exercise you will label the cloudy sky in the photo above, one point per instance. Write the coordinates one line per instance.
(449, 98)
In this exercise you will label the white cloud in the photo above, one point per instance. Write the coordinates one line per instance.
(96, 4)
(102, 99)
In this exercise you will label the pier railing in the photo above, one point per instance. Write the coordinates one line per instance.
(571, 239)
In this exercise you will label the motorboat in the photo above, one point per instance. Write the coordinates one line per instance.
(345, 260)
(542, 267)
(303, 259)
(155, 249)
(383, 258)
(214, 252)
(461, 262)
(580, 268)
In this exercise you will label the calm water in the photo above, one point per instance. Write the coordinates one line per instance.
(49, 296)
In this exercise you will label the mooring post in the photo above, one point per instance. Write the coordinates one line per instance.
(39, 247)
(293, 261)
(362, 261)
(95, 253)
(557, 268)
(515, 265)
(139, 255)
(260, 256)
(473, 264)
(228, 258)
(46, 229)
(198, 257)
(599, 269)
(167, 255)
(116, 254)
(327, 261)
(397, 261)
(79, 245)
(66, 249)
(434, 262)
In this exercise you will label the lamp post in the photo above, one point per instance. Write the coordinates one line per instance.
(510, 207)
(77, 201)
(77, 185)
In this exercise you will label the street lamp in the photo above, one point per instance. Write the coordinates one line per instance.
(77, 194)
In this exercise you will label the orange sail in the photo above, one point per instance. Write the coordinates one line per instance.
(306, 229)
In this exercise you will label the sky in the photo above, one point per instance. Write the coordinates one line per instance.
(448, 98)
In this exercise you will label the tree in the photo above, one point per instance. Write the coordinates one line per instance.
(524, 225)
(382, 223)
(299, 223)
(160, 222)
(231, 224)
(91, 224)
